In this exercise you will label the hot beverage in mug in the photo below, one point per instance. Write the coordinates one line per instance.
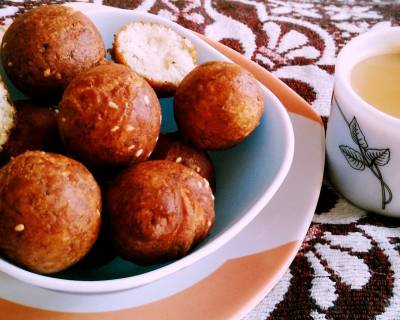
(377, 81)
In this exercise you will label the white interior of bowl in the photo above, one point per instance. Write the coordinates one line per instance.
(247, 175)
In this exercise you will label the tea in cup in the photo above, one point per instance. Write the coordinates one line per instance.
(377, 81)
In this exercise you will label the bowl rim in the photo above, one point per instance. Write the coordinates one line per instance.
(112, 285)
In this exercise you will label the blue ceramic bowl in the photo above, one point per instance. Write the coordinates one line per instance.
(247, 176)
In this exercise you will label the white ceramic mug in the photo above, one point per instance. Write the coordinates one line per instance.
(363, 143)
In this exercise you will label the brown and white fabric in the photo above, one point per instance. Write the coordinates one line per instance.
(349, 264)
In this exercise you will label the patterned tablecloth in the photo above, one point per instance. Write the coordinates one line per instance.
(349, 264)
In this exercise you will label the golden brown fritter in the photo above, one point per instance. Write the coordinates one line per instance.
(217, 105)
(35, 129)
(109, 115)
(50, 211)
(45, 48)
(158, 211)
(171, 147)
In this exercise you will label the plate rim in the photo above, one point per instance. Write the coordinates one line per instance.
(311, 204)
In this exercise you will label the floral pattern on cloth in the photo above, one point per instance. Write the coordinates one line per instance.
(347, 268)
(296, 40)
(349, 264)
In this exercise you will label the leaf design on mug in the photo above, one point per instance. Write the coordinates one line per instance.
(380, 157)
(357, 135)
(366, 157)
(353, 157)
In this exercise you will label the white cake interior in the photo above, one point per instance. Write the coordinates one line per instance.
(7, 115)
(156, 52)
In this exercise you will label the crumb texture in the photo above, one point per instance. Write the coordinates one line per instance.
(7, 115)
(155, 52)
